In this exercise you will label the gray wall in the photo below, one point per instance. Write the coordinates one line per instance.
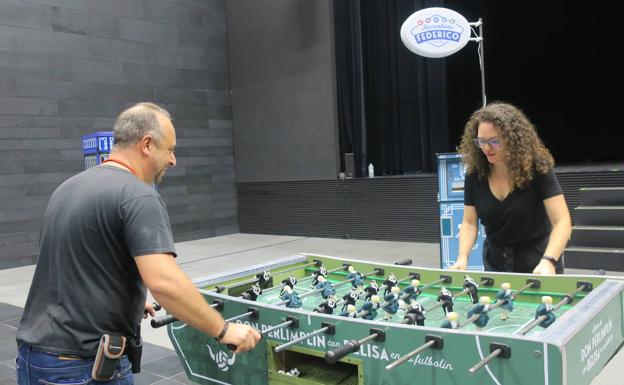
(283, 89)
(68, 67)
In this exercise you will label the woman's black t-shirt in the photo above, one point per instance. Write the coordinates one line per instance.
(517, 228)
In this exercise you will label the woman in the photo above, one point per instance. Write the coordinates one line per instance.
(511, 187)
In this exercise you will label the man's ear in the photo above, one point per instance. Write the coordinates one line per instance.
(146, 144)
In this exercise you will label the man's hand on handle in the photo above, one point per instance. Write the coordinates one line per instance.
(244, 337)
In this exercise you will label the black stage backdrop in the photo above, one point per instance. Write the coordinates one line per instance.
(555, 60)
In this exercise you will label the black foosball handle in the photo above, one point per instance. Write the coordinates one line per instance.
(335, 355)
(162, 321)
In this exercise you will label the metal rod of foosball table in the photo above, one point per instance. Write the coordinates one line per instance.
(474, 317)
(568, 298)
(315, 291)
(496, 352)
(240, 316)
(280, 287)
(498, 303)
(411, 354)
(278, 326)
(485, 361)
(278, 349)
(444, 279)
(366, 311)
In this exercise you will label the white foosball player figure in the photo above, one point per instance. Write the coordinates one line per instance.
(452, 321)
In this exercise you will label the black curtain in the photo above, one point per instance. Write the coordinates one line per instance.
(392, 103)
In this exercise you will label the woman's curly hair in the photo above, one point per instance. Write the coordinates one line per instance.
(525, 152)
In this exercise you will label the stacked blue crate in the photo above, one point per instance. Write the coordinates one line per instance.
(96, 147)
(451, 175)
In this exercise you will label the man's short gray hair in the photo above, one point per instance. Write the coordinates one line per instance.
(136, 122)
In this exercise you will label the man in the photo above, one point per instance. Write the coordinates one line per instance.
(105, 238)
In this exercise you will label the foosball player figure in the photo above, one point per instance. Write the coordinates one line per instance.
(351, 312)
(504, 294)
(264, 277)
(482, 308)
(546, 308)
(326, 286)
(371, 289)
(446, 298)
(253, 292)
(417, 313)
(451, 321)
(389, 283)
(291, 297)
(370, 307)
(291, 281)
(321, 272)
(412, 291)
(391, 302)
(350, 298)
(328, 306)
(473, 289)
(357, 279)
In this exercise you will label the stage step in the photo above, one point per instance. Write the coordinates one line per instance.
(599, 215)
(594, 258)
(597, 236)
(601, 196)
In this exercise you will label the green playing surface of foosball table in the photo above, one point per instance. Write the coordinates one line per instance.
(303, 346)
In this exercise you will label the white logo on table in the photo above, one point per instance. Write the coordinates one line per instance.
(222, 360)
(429, 361)
(602, 335)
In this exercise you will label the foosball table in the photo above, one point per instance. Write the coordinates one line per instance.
(327, 320)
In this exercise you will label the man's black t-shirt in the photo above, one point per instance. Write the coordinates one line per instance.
(86, 282)
(517, 228)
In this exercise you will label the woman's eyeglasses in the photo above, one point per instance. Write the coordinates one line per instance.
(495, 143)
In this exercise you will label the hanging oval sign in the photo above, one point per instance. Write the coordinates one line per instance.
(435, 32)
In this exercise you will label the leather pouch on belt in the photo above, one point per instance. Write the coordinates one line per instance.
(111, 348)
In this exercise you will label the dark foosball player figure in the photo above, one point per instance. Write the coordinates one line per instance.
(321, 272)
(451, 321)
(416, 314)
(350, 312)
(350, 298)
(546, 308)
(391, 303)
(328, 306)
(253, 292)
(326, 286)
(291, 281)
(482, 308)
(412, 291)
(446, 298)
(505, 294)
(357, 279)
(473, 289)
(371, 290)
(292, 298)
(389, 283)
(370, 307)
